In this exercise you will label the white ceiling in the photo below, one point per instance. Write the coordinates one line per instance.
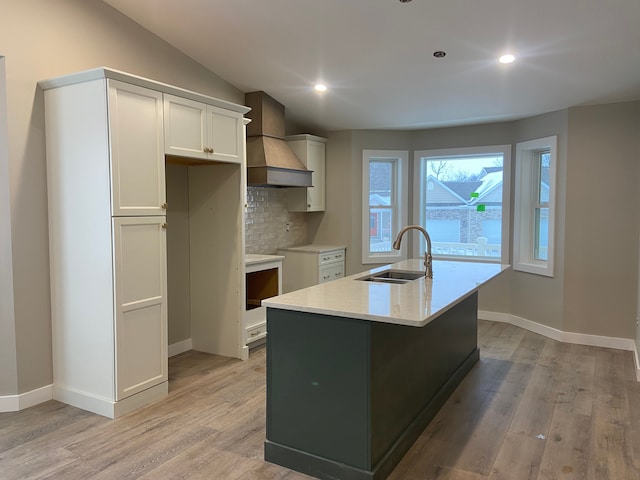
(376, 56)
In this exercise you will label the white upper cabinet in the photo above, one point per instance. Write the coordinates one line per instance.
(311, 151)
(197, 130)
(137, 150)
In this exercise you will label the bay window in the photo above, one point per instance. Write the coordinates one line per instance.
(384, 201)
(461, 197)
(535, 206)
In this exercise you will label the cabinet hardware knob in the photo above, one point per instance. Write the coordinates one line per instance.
(164, 225)
(308, 205)
(164, 206)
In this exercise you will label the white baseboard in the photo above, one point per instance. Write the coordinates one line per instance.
(180, 347)
(566, 337)
(109, 408)
(14, 403)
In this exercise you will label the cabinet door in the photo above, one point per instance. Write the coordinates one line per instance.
(316, 162)
(224, 135)
(137, 153)
(312, 154)
(184, 127)
(140, 303)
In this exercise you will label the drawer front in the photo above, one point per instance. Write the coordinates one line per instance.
(331, 272)
(256, 332)
(331, 257)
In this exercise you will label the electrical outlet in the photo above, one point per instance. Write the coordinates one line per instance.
(287, 227)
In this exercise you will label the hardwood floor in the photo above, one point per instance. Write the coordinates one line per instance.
(532, 408)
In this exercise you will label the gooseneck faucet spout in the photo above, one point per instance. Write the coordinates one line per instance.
(428, 260)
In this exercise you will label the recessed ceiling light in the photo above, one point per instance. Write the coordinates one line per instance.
(320, 87)
(506, 58)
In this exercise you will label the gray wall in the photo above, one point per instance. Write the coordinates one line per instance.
(594, 290)
(521, 285)
(43, 39)
(603, 161)
(8, 366)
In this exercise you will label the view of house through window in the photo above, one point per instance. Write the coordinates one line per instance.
(382, 174)
(460, 201)
(541, 220)
(384, 199)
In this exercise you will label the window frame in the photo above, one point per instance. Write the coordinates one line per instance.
(505, 151)
(401, 159)
(527, 181)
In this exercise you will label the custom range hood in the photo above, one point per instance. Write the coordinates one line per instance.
(270, 161)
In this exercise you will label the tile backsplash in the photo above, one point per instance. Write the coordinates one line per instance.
(266, 221)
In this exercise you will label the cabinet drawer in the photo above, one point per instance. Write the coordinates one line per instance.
(331, 272)
(256, 332)
(331, 257)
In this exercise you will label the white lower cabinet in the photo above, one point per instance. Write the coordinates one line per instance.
(263, 280)
(141, 307)
(309, 265)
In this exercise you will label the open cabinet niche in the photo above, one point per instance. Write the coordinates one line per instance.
(205, 257)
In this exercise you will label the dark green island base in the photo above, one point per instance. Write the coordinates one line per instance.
(346, 398)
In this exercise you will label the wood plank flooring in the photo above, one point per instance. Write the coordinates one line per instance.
(532, 408)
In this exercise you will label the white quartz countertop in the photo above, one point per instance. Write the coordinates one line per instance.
(312, 248)
(415, 303)
(253, 258)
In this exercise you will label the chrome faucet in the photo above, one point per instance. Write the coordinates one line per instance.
(428, 260)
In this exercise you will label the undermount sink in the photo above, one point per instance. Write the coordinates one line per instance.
(392, 276)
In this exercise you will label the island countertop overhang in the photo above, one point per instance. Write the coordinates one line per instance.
(414, 303)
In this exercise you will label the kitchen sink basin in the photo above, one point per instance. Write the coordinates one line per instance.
(392, 276)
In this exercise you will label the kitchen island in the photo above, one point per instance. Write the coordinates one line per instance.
(356, 369)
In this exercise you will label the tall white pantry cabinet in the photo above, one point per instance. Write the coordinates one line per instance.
(107, 233)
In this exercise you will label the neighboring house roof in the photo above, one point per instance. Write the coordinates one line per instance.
(489, 183)
(379, 176)
(450, 193)
(491, 169)
(379, 200)
(442, 194)
(485, 187)
(463, 189)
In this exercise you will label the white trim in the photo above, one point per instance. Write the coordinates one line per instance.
(444, 153)
(109, 408)
(14, 403)
(106, 72)
(523, 197)
(402, 199)
(626, 344)
(179, 347)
